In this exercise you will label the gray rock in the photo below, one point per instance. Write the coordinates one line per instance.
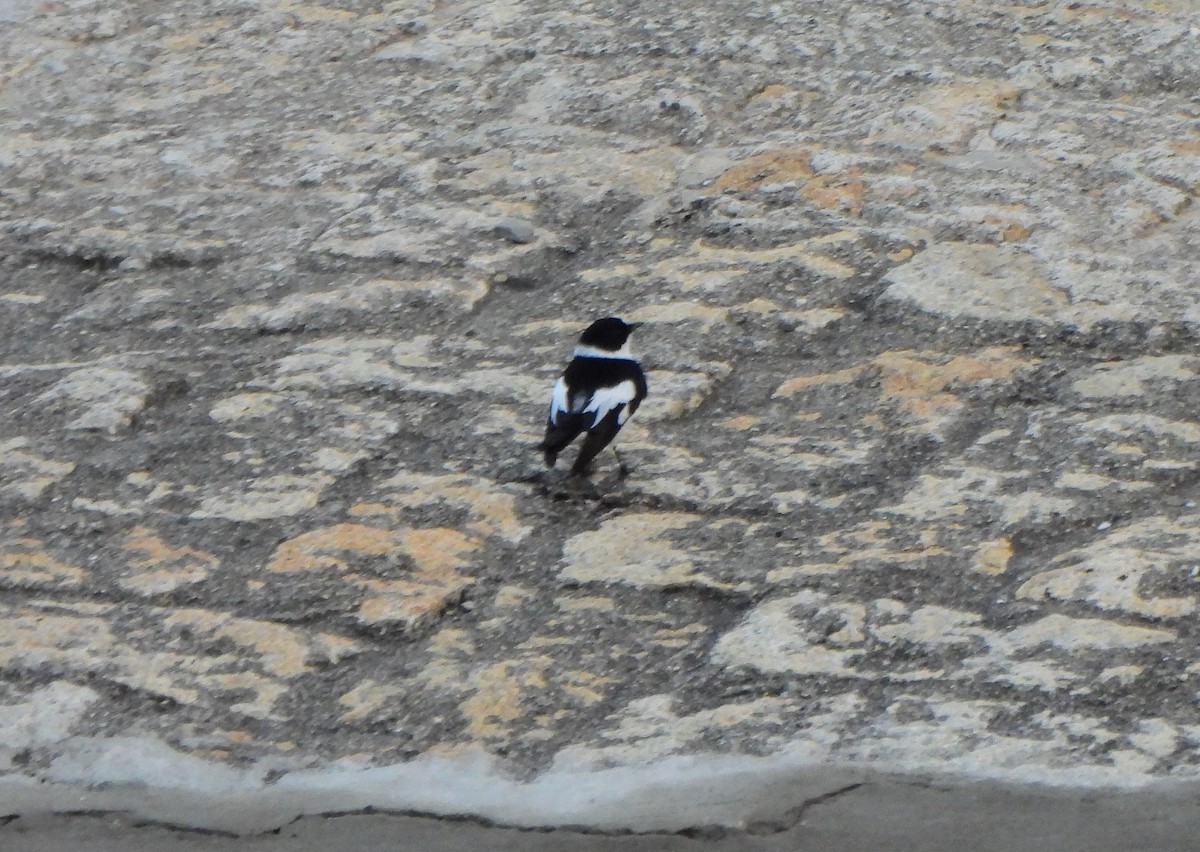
(516, 231)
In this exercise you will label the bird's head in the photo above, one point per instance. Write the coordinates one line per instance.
(608, 334)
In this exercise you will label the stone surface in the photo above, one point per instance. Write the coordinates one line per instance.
(284, 287)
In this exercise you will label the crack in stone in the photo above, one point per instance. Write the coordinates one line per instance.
(792, 817)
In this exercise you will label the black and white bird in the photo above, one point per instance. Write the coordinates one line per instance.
(600, 389)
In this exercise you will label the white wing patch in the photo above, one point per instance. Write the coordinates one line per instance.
(558, 400)
(605, 400)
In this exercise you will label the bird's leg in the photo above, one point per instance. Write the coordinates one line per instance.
(623, 469)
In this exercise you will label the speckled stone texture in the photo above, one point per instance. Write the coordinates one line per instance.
(284, 286)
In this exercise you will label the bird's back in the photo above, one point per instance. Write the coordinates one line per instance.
(588, 378)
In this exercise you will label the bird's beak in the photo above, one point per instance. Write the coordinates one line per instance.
(634, 326)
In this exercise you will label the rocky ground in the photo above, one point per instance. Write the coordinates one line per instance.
(284, 287)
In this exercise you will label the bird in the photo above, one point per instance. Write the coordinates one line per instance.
(601, 388)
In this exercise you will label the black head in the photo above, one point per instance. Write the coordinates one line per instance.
(609, 333)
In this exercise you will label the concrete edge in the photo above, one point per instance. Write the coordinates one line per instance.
(147, 780)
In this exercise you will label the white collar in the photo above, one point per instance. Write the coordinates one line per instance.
(592, 352)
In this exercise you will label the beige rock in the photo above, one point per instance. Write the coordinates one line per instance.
(25, 562)
(677, 394)
(1076, 634)
(926, 387)
(499, 694)
(83, 641)
(1136, 425)
(1130, 378)
(993, 557)
(160, 568)
(492, 509)
(276, 496)
(24, 473)
(1111, 572)
(774, 639)
(355, 362)
(244, 406)
(103, 399)
(944, 118)
(636, 550)
(978, 281)
(366, 558)
(809, 633)
(368, 698)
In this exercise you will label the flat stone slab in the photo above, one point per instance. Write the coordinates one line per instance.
(284, 287)
(901, 814)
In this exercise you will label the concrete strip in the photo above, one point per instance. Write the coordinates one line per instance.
(883, 813)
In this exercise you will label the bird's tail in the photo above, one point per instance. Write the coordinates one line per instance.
(558, 436)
